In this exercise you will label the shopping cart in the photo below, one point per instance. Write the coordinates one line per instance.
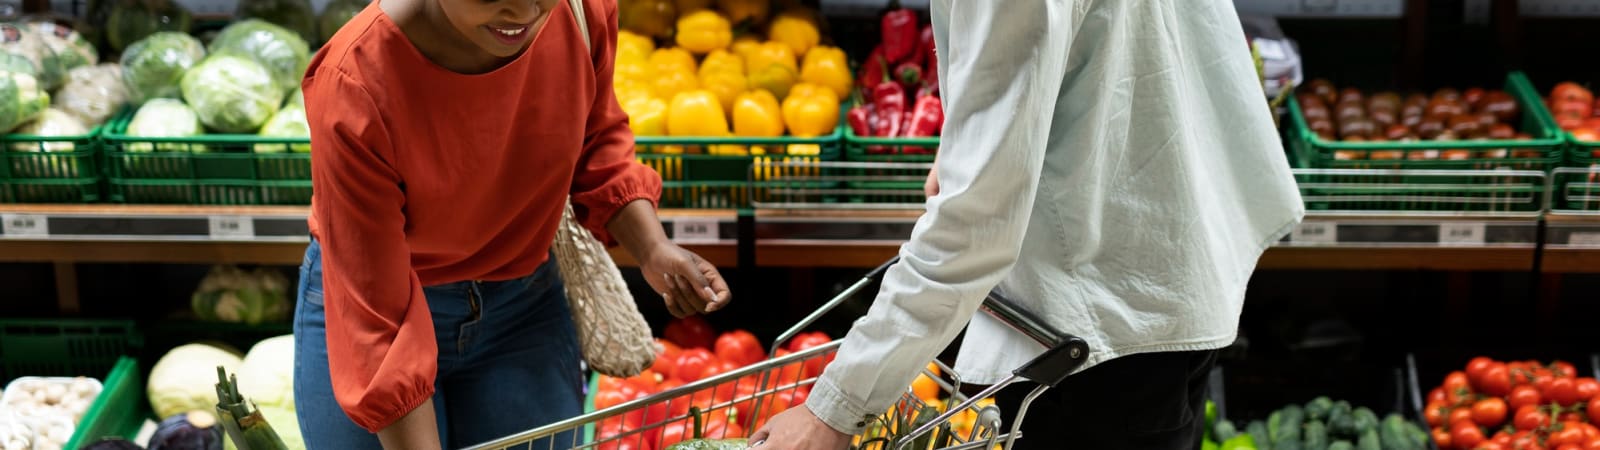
(752, 394)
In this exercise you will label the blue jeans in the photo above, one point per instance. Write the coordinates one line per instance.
(510, 366)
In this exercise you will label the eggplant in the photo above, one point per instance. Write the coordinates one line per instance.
(194, 430)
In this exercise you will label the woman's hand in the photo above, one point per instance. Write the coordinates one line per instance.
(687, 283)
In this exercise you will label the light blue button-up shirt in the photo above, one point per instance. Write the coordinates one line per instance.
(1110, 165)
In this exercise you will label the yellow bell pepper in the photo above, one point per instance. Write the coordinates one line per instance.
(634, 47)
(796, 29)
(743, 10)
(689, 6)
(626, 90)
(696, 113)
(768, 54)
(647, 116)
(744, 46)
(722, 61)
(663, 59)
(726, 85)
(702, 31)
(810, 110)
(826, 66)
(775, 79)
(670, 83)
(648, 17)
(633, 71)
(756, 113)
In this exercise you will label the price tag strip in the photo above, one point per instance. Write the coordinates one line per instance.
(696, 230)
(24, 225)
(232, 228)
(1462, 233)
(1315, 233)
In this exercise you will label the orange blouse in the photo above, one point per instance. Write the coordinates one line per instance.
(425, 176)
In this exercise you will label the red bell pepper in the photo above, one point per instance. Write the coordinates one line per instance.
(899, 33)
(909, 74)
(890, 100)
(859, 118)
(930, 78)
(925, 43)
(872, 70)
(927, 118)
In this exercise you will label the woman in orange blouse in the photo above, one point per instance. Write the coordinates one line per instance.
(449, 135)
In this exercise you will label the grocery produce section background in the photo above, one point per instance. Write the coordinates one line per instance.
(1442, 294)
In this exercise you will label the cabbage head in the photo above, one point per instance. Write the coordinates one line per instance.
(296, 15)
(52, 124)
(232, 94)
(335, 14)
(185, 379)
(163, 117)
(23, 45)
(71, 49)
(287, 123)
(267, 376)
(133, 20)
(93, 93)
(282, 51)
(154, 67)
(229, 294)
(22, 99)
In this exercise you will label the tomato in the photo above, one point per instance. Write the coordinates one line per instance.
(1524, 440)
(667, 359)
(1542, 379)
(1455, 380)
(611, 439)
(646, 381)
(1489, 412)
(672, 433)
(608, 399)
(1521, 374)
(1466, 434)
(1459, 415)
(788, 375)
(1436, 395)
(813, 365)
(1587, 388)
(1435, 413)
(1524, 396)
(1569, 447)
(1592, 444)
(690, 332)
(1490, 445)
(1570, 416)
(1563, 369)
(741, 347)
(1530, 418)
(1442, 437)
(1569, 433)
(1562, 391)
(1495, 380)
(1476, 366)
(1594, 410)
(1571, 92)
(1503, 438)
(1590, 432)
(692, 364)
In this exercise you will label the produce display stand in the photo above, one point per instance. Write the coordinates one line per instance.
(710, 172)
(50, 169)
(1275, 384)
(213, 169)
(767, 379)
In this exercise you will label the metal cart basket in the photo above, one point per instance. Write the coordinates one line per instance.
(753, 393)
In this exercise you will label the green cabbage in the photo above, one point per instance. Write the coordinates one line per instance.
(231, 94)
(93, 93)
(22, 99)
(290, 122)
(133, 20)
(71, 49)
(21, 44)
(229, 294)
(336, 14)
(267, 376)
(279, 49)
(295, 15)
(53, 123)
(185, 378)
(296, 98)
(153, 67)
(165, 118)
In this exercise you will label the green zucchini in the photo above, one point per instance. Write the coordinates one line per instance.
(1257, 430)
(1366, 420)
(1369, 441)
(1318, 408)
(1341, 445)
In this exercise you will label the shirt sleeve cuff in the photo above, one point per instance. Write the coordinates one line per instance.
(596, 209)
(375, 421)
(841, 413)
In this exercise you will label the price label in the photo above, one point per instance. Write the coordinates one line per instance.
(24, 225)
(232, 227)
(1461, 233)
(1584, 239)
(695, 230)
(1315, 233)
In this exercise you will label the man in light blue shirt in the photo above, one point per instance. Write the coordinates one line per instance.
(1111, 165)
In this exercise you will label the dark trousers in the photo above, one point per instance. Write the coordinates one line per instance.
(1152, 401)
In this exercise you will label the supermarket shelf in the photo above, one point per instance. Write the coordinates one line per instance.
(1381, 9)
(1572, 243)
(1558, 8)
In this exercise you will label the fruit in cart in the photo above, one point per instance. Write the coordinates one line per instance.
(803, 341)
(810, 110)
(926, 388)
(694, 363)
(702, 31)
(826, 66)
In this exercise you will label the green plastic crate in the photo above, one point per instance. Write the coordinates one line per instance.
(885, 149)
(1543, 152)
(120, 410)
(63, 347)
(214, 169)
(50, 169)
(720, 181)
(1575, 189)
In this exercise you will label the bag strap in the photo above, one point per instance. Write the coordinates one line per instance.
(583, 22)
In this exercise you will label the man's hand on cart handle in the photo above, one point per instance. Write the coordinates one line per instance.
(798, 429)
